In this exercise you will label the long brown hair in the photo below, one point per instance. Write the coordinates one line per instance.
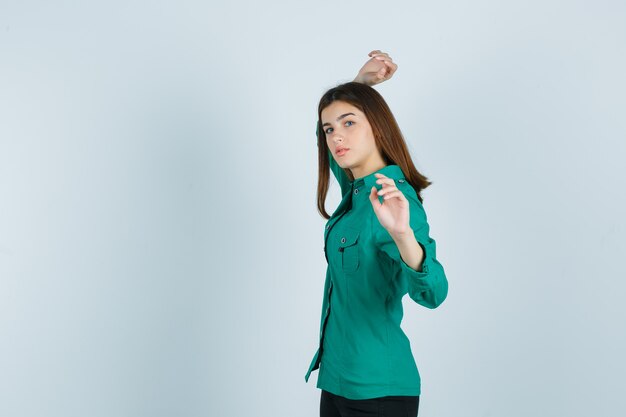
(389, 139)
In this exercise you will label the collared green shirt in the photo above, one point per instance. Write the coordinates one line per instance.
(363, 352)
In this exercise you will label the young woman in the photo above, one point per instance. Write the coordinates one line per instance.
(378, 249)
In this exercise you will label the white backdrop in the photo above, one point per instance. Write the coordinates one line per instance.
(160, 249)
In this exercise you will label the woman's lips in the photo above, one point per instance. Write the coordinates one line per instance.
(342, 152)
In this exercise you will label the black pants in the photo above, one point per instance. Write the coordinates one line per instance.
(332, 405)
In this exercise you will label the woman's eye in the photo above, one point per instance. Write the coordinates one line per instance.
(347, 121)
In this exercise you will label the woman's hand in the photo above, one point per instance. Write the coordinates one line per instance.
(377, 69)
(393, 213)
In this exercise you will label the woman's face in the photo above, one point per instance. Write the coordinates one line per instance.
(347, 127)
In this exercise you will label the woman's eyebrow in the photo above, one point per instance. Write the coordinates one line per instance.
(340, 117)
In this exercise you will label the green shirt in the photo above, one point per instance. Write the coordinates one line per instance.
(363, 351)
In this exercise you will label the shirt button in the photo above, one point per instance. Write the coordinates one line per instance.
(400, 180)
(356, 191)
(343, 240)
(327, 226)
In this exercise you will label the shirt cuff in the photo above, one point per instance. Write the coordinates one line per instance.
(419, 278)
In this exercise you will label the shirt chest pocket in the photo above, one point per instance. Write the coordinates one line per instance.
(349, 249)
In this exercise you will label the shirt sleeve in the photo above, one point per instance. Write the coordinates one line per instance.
(429, 286)
(340, 174)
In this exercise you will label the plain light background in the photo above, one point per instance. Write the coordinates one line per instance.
(160, 249)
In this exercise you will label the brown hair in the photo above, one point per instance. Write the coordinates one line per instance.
(389, 139)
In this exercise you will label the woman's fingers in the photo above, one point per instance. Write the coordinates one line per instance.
(390, 67)
(381, 56)
(378, 53)
(389, 185)
(387, 189)
(397, 193)
(382, 179)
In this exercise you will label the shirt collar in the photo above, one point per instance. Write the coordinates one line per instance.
(361, 186)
